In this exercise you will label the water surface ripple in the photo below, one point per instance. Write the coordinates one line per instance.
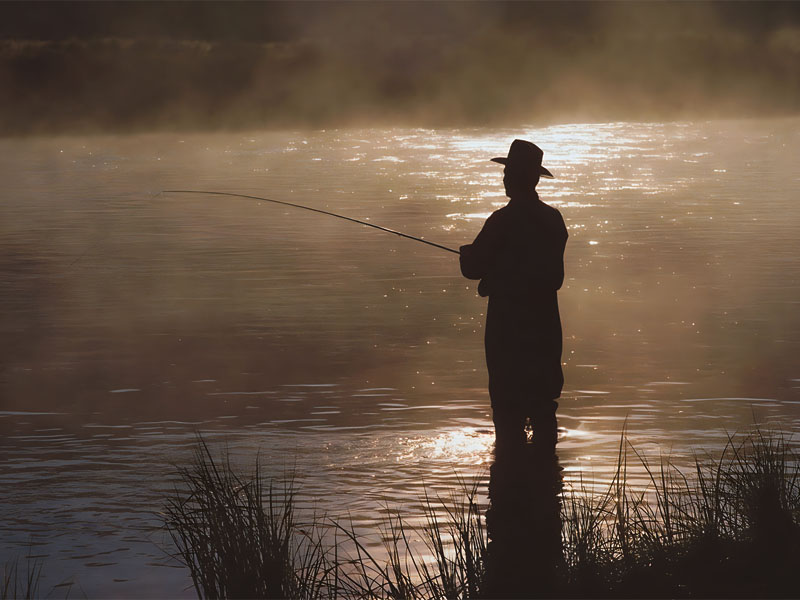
(132, 320)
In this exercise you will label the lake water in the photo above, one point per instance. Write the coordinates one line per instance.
(132, 320)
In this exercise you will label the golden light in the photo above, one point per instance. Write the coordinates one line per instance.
(467, 445)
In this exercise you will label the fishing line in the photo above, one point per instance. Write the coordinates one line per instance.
(316, 210)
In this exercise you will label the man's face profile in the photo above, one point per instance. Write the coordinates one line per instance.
(519, 183)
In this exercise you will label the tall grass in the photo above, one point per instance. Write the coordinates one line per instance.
(240, 537)
(728, 527)
(24, 582)
(16, 583)
(447, 563)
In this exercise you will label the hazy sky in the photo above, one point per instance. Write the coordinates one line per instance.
(115, 66)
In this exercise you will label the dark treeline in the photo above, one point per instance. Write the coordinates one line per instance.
(104, 66)
(283, 21)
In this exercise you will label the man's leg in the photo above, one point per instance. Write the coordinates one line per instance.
(545, 424)
(507, 414)
(509, 427)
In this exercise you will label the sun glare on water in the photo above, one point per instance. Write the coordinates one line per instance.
(468, 445)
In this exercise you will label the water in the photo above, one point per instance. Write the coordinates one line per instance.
(130, 320)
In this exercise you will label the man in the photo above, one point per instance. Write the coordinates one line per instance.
(519, 258)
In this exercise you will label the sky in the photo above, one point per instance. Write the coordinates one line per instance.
(108, 67)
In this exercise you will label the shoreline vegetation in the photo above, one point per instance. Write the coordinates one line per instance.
(18, 582)
(630, 63)
(729, 528)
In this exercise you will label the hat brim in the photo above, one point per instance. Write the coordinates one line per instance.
(542, 171)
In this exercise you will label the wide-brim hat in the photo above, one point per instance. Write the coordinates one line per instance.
(524, 155)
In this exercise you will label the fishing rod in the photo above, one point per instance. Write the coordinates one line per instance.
(316, 210)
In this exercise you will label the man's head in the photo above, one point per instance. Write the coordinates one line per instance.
(523, 167)
(519, 182)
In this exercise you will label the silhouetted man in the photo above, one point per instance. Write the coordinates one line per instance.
(519, 258)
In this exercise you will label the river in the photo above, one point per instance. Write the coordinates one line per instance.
(131, 320)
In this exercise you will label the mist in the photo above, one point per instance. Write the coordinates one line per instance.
(107, 67)
(133, 318)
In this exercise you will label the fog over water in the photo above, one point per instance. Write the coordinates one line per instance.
(131, 320)
(96, 67)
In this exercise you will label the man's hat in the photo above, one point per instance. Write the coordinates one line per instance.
(524, 155)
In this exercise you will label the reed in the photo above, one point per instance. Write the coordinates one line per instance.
(239, 535)
(729, 527)
(448, 561)
(16, 583)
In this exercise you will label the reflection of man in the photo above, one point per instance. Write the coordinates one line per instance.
(519, 258)
(525, 555)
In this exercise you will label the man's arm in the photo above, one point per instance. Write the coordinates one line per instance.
(550, 265)
(558, 265)
(475, 258)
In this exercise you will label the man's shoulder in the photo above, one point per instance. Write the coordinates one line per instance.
(503, 210)
(552, 213)
(499, 216)
(507, 214)
(555, 222)
(550, 210)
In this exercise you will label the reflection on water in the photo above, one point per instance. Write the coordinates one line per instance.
(130, 320)
(524, 554)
